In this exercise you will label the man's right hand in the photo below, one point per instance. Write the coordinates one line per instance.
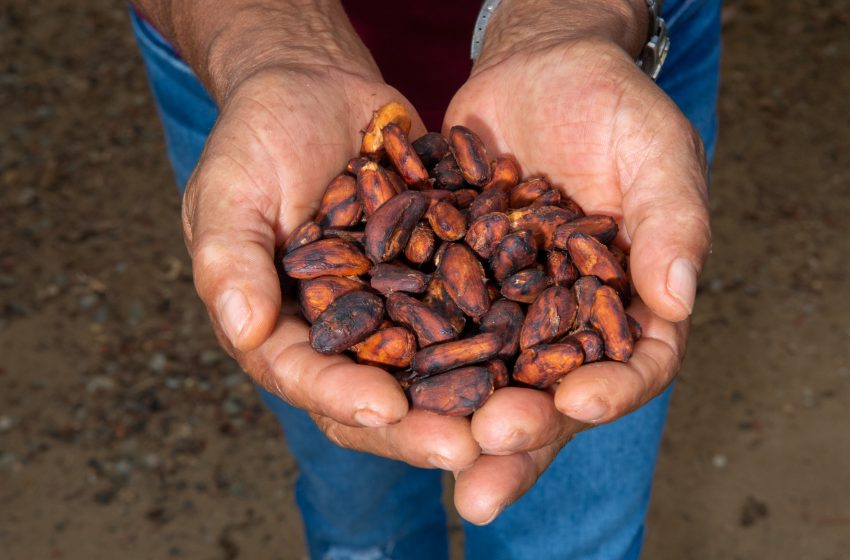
(281, 137)
(294, 85)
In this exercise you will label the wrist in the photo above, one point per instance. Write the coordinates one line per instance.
(226, 44)
(261, 38)
(529, 25)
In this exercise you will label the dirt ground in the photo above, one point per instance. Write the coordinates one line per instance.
(126, 433)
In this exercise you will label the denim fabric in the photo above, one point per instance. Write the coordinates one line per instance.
(591, 502)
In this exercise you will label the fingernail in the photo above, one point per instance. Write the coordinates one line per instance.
(592, 410)
(682, 282)
(368, 418)
(499, 509)
(234, 312)
(438, 461)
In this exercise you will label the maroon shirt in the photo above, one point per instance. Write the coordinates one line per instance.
(422, 48)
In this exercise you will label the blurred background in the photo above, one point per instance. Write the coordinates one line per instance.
(125, 432)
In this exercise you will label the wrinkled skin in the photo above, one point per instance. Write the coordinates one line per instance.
(581, 113)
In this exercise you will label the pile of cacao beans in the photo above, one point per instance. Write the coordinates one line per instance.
(455, 275)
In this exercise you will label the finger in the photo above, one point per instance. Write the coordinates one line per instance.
(331, 386)
(516, 419)
(420, 439)
(492, 483)
(665, 213)
(229, 229)
(604, 391)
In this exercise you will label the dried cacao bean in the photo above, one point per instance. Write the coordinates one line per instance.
(437, 298)
(446, 221)
(389, 278)
(505, 318)
(549, 317)
(428, 325)
(447, 173)
(543, 365)
(340, 207)
(610, 320)
(492, 200)
(392, 347)
(528, 191)
(603, 228)
(374, 187)
(504, 174)
(470, 155)
(373, 138)
(486, 232)
(431, 148)
(315, 295)
(346, 321)
(304, 234)
(514, 252)
(404, 157)
(420, 246)
(389, 229)
(591, 344)
(464, 280)
(584, 291)
(525, 285)
(458, 392)
(592, 258)
(438, 358)
(560, 269)
(325, 257)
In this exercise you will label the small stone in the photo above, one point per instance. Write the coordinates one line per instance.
(234, 380)
(26, 197)
(232, 406)
(719, 461)
(157, 362)
(210, 357)
(88, 301)
(100, 383)
(173, 383)
(151, 461)
(6, 423)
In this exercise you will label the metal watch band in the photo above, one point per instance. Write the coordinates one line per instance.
(654, 52)
(651, 57)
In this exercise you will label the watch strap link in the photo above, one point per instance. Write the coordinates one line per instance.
(651, 57)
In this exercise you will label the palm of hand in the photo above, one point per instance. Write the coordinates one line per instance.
(586, 118)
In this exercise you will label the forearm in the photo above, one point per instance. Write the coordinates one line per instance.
(531, 24)
(226, 41)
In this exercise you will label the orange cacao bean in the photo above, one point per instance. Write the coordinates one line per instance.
(346, 321)
(446, 221)
(325, 257)
(543, 365)
(340, 207)
(389, 229)
(458, 392)
(609, 319)
(549, 317)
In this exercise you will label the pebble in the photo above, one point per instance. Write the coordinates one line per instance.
(6, 423)
(88, 301)
(719, 461)
(210, 357)
(98, 383)
(157, 362)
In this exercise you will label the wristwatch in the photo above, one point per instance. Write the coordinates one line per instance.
(650, 59)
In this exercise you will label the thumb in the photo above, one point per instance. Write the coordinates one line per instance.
(231, 240)
(665, 213)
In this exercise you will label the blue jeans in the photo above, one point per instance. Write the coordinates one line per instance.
(589, 504)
